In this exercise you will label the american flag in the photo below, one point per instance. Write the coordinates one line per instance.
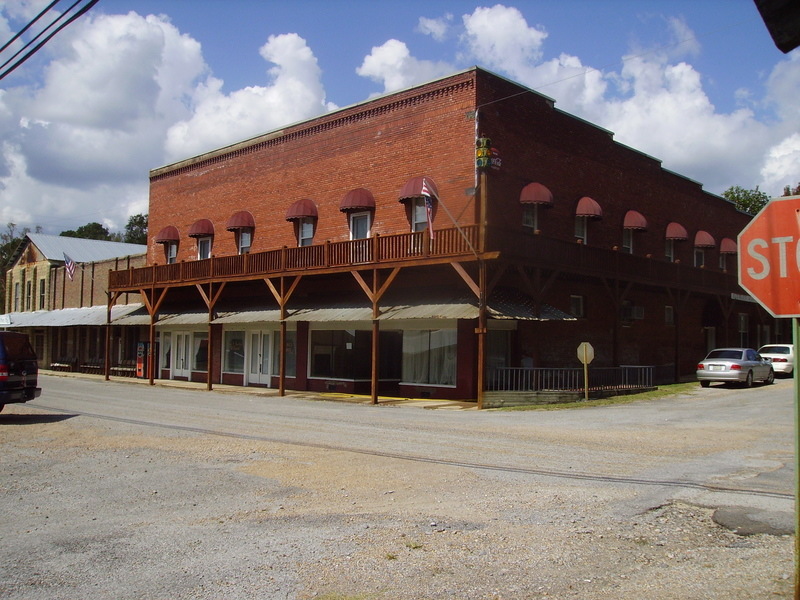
(69, 266)
(426, 193)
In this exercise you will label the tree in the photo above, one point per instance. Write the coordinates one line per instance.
(90, 231)
(9, 241)
(749, 201)
(136, 230)
(791, 191)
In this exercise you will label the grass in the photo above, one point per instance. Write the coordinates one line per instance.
(663, 391)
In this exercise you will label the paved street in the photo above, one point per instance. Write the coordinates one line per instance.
(725, 452)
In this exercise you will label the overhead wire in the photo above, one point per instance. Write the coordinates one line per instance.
(81, 11)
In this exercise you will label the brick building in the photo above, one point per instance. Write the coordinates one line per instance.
(65, 316)
(422, 242)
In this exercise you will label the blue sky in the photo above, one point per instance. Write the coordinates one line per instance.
(137, 84)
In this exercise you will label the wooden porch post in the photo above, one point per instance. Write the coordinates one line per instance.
(375, 356)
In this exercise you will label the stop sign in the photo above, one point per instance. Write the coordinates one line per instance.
(769, 257)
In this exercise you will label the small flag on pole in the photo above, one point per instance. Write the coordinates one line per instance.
(426, 193)
(69, 266)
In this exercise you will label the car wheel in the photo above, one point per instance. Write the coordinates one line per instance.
(770, 378)
(749, 381)
(705, 383)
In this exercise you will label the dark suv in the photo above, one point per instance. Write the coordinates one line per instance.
(19, 369)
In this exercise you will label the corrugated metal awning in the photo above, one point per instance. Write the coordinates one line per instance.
(67, 317)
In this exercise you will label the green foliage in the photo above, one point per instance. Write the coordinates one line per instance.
(90, 231)
(136, 230)
(749, 201)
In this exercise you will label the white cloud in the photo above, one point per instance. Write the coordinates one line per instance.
(436, 28)
(393, 65)
(500, 38)
(781, 166)
(656, 103)
(217, 119)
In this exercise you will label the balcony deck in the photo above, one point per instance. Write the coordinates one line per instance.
(417, 248)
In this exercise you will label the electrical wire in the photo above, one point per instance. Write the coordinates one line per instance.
(36, 48)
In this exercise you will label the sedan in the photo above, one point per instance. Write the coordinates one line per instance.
(781, 355)
(735, 365)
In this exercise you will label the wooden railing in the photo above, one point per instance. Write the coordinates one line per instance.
(374, 250)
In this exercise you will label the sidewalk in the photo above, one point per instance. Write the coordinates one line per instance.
(266, 392)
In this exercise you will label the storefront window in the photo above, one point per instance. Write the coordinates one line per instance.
(234, 352)
(291, 353)
(200, 353)
(430, 356)
(341, 354)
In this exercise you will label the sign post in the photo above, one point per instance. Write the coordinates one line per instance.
(585, 355)
(769, 269)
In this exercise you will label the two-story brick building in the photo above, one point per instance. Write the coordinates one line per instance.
(65, 315)
(420, 242)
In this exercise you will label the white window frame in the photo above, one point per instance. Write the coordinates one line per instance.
(530, 216)
(669, 250)
(204, 247)
(244, 240)
(627, 240)
(357, 217)
(171, 252)
(699, 257)
(305, 231)
(419, 215)
(581, 228)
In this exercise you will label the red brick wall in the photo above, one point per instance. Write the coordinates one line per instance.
(378, 145)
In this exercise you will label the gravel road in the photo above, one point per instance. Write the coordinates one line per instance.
(119, 490)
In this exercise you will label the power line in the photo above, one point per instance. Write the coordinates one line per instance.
(81, 11)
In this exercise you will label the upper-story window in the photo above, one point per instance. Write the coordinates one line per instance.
(581, 228)
(305, 231)
(28, 295)
(171, 251)
(244, 240)
(169, 238)
(702, 240)
(627, 241)
(304, 214)
(42, 294)
(203, 248)
(532, 197)
(587, 208)
(669, 250)
(675, 233)
(17, 296)
(242, 225)
(203, 231)
(360, 225)
(421, 214)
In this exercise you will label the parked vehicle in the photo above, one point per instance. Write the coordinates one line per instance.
(19, 369)
(781, 356)
(735, 365)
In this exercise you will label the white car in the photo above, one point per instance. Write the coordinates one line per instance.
(781, 356)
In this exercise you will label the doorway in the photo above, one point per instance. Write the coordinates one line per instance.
(259, 361)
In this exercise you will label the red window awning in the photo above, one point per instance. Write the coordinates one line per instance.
(536, 193)
(201, 228)
(302, 209)
(634, 220)
(168, 235)
(588, 207)
(241, 220)
(414, 188)
(676, 231)
(703, 239)
(728, 246)
(357, 199)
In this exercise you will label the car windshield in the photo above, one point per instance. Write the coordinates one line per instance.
(775, 350)
(729, 354)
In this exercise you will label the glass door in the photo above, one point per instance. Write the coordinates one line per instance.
(258, 370)
(182, 349)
